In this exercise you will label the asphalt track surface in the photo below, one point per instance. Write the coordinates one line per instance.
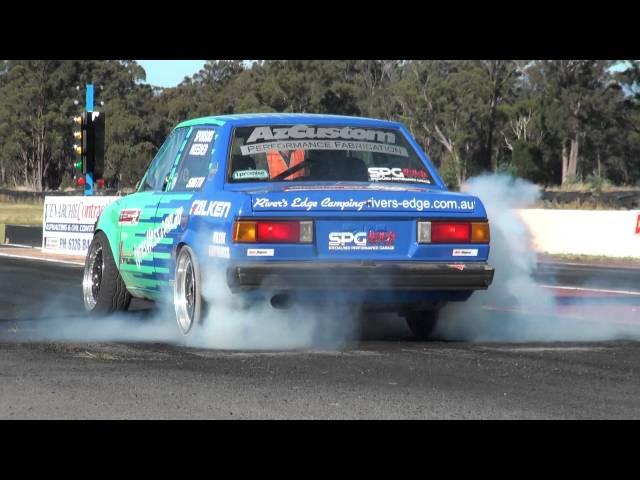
(384, 374)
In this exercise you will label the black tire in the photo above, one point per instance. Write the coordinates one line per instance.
(108, 294)
(422, 324)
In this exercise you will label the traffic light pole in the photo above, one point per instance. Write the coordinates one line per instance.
(88, 188)
(89, 148)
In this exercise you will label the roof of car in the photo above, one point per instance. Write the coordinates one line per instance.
(287, 118)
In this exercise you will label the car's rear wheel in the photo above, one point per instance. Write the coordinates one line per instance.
(187, 299)
(103, 290)
(423, 323)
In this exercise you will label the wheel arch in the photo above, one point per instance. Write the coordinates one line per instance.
(107, 223)
(113, 242)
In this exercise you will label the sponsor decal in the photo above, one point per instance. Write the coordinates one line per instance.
(329, 203)
(69, 222)
(416, 174)
(51, 242)
(220, 238)
(306, 132)
(219, 251)
(199, 149)
(210, 208)
(75, 210)
(129, 216)
(458, 266)
(263, 202)
(254, 149)
(260, 252)
(382, 238)
(195, 182)
(465, 252)
(321, 138)
(304, 203)
(242, 174)
(377, 174)
(371, 240)
(153, 238)
(73, 243)
(184, 220)
(69, 227)
(204, 136)
(638, 225)
(388, 188)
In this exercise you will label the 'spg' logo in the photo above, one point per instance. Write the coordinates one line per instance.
(343, 239)
(384, 172)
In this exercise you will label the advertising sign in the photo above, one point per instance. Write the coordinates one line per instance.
(68, 223)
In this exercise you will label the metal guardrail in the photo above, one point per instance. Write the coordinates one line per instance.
(21, 196)
(623, 200)
(21, 235)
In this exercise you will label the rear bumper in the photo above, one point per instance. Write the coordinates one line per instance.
(413, 276)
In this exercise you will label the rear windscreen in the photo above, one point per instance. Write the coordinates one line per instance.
(290, 153)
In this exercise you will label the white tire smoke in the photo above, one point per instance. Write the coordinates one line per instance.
(515, 308)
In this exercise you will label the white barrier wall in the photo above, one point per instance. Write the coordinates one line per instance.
(613, 233)
(68, 223)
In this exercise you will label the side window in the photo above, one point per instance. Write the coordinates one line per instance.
(158, 172)
(196, 161)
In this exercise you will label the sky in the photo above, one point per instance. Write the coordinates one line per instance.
(169, 73)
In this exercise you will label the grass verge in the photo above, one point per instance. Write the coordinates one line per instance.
(13, 213)
(590, 259)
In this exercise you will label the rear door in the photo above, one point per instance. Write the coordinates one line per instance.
(138, 220)
(195, 167)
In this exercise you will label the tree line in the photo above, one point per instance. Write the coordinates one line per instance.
(555, 122)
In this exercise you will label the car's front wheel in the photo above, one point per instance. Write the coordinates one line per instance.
(187, 294)
(423, 323)
(103, 290)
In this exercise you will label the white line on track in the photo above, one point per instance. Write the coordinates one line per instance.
(596, 266)
(598, 290)
(581, 289)
(22, 246)
(53, 260)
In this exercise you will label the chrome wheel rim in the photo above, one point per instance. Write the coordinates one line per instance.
(92, 277)
(185, 292)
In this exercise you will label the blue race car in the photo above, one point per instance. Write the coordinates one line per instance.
(288, 206)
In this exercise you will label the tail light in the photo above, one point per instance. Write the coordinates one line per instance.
(442, 232)
(453, 232)
(480, 232)
(270, 231)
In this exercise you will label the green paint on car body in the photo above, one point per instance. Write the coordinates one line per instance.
(202, 121)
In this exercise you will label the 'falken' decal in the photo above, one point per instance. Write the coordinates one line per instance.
(210, 208)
